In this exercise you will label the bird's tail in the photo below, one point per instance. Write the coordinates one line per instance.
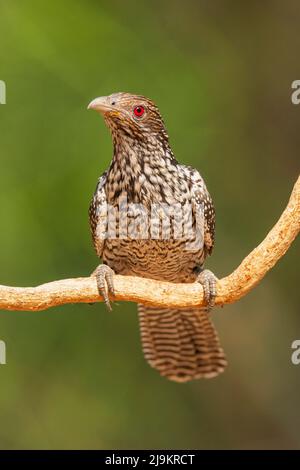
(182, 345)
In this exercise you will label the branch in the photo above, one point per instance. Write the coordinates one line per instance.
(230, 289)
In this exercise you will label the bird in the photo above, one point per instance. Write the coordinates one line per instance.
(180, 343)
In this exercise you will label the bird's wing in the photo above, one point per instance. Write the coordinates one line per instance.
(204, 208)
(98, 216)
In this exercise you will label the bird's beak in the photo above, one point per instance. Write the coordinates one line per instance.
(101, 105)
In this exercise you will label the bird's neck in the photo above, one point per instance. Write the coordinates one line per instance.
(135, 164)
(130, 154)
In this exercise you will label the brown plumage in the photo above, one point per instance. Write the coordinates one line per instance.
(145, 176)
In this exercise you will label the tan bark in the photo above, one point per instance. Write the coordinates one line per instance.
(230, 289)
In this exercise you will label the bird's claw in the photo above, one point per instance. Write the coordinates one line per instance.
(104, 277)
(209, 284)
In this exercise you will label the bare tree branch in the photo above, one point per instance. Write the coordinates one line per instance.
(230, 289)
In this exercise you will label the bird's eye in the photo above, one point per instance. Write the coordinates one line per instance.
(138, 111)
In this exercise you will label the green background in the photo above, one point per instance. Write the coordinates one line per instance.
(221, 73)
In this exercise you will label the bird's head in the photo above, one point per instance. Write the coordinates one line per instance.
(131, 117)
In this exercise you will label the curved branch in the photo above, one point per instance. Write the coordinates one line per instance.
(231, 288)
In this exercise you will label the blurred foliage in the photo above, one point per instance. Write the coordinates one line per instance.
(221, 74)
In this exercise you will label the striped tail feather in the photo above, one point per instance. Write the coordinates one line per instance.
(182, 345)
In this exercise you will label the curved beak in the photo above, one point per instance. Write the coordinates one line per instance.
(101, 105)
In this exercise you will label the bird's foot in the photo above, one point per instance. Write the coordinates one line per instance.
(104, 277)
(209, 283)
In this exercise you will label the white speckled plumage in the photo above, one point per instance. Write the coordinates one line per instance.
(181, 345)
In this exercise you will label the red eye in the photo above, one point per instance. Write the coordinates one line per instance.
(139, 111)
